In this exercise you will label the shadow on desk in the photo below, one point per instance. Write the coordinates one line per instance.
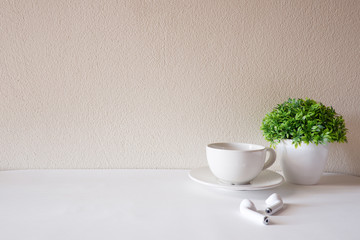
(328, 183)
(339, 180)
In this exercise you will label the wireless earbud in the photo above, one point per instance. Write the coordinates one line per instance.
(248, 209)
(273, 204)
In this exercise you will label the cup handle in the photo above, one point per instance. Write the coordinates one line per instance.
(271, 160)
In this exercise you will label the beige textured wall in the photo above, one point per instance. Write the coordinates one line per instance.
(147, 84)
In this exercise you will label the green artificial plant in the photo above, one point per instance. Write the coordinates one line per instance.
(303, 121)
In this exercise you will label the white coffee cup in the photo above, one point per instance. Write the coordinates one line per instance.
(238, 163)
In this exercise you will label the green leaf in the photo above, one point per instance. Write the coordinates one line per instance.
(305, 121)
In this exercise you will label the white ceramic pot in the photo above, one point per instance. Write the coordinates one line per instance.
(304, 164)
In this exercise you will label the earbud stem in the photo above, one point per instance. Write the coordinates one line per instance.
(266, 220)
(268, 210)
(273, 204)
(248, 210)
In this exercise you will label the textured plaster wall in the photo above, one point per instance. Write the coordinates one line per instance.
(147, 84)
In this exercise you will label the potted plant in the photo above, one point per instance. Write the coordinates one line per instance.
(301, 131)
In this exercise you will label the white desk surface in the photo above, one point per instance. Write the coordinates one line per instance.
(166, 204)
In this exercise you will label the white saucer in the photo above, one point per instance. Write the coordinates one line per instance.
(266, 179)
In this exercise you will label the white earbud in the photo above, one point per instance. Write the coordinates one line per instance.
(273, 204)
(248, 209)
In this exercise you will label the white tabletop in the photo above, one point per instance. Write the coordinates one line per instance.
(166, 204)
